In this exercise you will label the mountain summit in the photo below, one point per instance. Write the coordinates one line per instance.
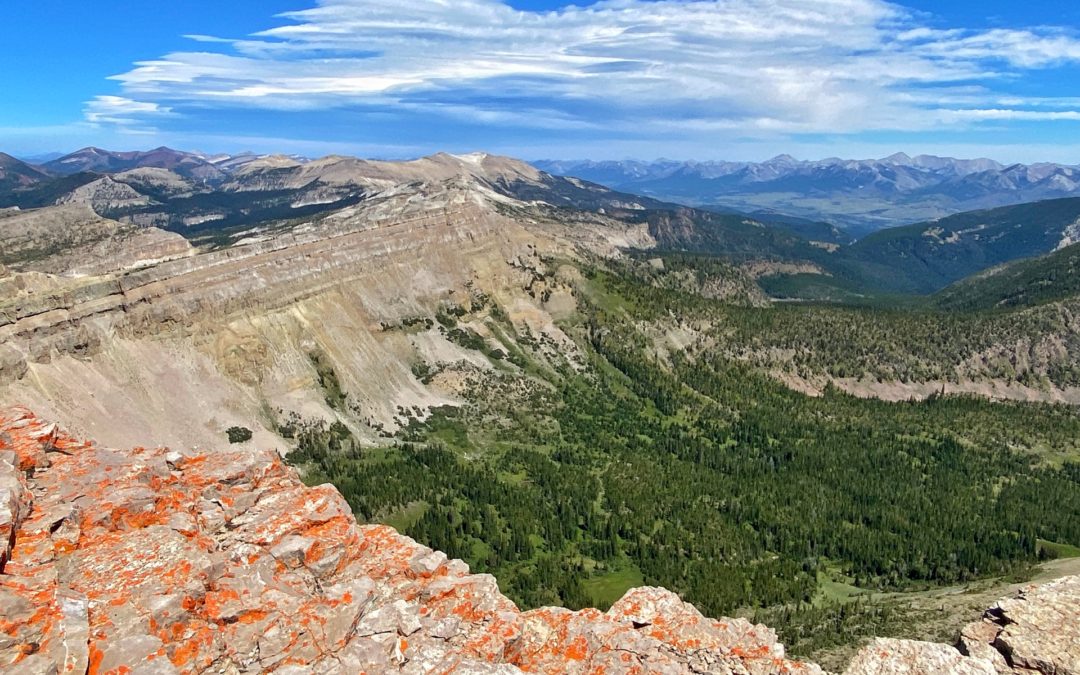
(16, 174)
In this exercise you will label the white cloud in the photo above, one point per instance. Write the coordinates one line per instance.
(757, 66)
(1009, 114)
(1019, 48)
(123, 112)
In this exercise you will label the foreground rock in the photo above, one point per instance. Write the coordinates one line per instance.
(1036, 632)
(151, 561)
(156, 561)
(1039, 630)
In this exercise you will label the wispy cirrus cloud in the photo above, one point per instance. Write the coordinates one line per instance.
(1017, 48)
(631, 66)
(1011, 114)
(124, 112)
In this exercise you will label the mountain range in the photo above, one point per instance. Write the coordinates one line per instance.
(214, 200)
(854, 197)
(192, 194)
(862, 195)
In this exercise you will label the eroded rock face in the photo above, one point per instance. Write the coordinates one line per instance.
(908, 657)
(158, 561)
(105, 194)
(175, 288)
(1038, 631)
(239, 325)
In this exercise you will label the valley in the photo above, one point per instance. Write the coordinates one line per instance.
(583, 509)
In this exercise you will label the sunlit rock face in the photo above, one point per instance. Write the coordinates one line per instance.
(162, 561)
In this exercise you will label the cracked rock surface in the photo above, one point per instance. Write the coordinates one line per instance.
(152, 561)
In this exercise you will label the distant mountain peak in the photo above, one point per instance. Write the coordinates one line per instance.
(783, 159)
(15, 173)
(97, 160)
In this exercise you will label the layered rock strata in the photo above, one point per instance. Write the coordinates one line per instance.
(269, 272)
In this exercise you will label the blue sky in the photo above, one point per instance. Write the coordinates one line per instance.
(703, 79)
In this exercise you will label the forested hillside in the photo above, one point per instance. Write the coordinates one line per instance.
(1025, 283)
(695, 470)
(904, 341)
(925, 257)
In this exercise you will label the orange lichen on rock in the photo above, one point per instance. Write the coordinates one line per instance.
(159, 561)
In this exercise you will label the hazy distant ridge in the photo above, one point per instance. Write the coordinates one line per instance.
(866, 194)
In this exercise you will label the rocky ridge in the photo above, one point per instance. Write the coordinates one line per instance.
(284, 173)
(105, 193)
(257, 273)
(183, 342)
(159, 561)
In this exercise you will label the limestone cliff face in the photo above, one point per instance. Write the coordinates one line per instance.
(177, 345)
(157, 561)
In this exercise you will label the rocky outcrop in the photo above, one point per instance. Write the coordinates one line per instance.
(907, 657)
(106, 194)
(153, 561)
(29, 237)
(1037, 631)
(71, 240)
(159, 561)
(151, 180)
